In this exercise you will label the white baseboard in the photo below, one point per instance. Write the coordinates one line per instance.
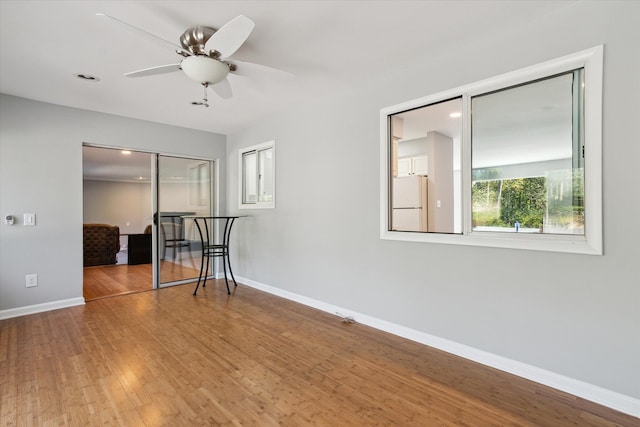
(39, 308)
(593, 393)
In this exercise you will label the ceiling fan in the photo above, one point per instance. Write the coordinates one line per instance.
(205, 53)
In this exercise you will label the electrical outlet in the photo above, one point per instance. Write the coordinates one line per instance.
(32, 280)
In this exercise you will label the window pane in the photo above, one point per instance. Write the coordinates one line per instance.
(265, 175)
(527, 159)
(257, 173)
(425, 168)
(249, 177)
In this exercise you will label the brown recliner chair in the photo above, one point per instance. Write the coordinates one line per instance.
(101, 243)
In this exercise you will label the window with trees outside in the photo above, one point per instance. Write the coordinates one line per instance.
(513, 161)
(527, 154)
(257, 176)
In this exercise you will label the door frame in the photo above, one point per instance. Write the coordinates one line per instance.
(214, 170)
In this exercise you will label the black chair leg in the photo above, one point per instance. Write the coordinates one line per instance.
(206, 273)
(224, 266)
(231, 271)
(200, 275)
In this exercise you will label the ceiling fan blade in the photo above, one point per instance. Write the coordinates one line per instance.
(165, 43)
(251, 69)
(162, 69)
(231, 36)
(223, 89)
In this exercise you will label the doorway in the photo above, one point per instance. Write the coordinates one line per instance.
(134, 236)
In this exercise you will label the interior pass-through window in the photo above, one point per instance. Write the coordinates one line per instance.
(501, 162)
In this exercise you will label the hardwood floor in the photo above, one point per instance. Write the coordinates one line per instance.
(110, 280)
(168, 358)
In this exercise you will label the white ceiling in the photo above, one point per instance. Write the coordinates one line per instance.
(328, 45)
(105, 164)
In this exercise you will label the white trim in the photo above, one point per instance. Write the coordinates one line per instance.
(593, 393)
(39, 308)
(592, 242)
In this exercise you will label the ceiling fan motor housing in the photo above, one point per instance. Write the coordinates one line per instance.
(195, 38)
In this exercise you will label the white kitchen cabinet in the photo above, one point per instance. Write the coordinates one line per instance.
(404, 167)
(420, 165)
(413, 166)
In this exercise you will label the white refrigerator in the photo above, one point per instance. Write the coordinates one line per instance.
(409, 198)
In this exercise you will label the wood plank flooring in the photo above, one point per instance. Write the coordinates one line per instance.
(110, 280)
(168, 358)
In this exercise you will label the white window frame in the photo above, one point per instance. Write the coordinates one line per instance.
(257, 148)
(592, 241)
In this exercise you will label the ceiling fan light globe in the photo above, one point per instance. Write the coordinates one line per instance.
(204, 69)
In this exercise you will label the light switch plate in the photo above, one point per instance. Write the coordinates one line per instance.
(29, 219)
(32, 280)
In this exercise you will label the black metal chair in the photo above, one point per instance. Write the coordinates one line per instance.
(210, 249)
(172, 235)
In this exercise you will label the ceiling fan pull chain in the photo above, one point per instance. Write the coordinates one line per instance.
(206, 101)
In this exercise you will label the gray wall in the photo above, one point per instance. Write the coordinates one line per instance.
(127, 205)
(41, 172)
(118, 203)
(440, 160)
(574, 315)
